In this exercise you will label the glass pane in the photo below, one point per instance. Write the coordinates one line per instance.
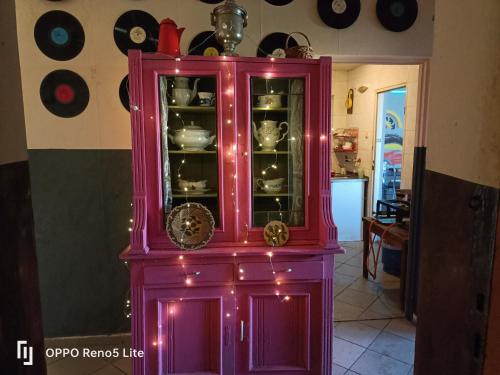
(189, 142)
(278, 150)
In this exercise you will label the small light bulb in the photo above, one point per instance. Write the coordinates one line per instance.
(232, 291)
(177, 71)
(287, 298)
(245, 242)
(270, 254)
(278, 282)
(228, 315)
(188, 281)
(177, 59)
(229, 121)
(130, 229)
(131, 220)
(242, 270)
(181, 257)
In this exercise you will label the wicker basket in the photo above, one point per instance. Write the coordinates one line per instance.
(298, 52)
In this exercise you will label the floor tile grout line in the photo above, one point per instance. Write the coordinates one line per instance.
(373, 350)
(119, 369)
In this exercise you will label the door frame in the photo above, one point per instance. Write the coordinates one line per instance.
(420, 144)
(371, 184)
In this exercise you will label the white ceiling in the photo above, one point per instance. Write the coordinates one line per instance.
(345, 66)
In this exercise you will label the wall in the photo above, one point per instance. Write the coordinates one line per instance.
(464, 135)
(20, 311)
(81, 166)
(364, 116)
(461, 195)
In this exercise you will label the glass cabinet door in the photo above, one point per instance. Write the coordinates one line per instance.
(189, 142)
(277, 120)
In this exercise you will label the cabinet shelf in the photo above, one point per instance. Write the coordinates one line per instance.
(213, 152)
(271, 195)
(188, 195)
(280, 109)
(193, 108)
(271, 152)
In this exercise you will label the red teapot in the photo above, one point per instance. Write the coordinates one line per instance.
(169, 38)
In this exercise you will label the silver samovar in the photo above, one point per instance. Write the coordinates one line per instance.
(229, 20)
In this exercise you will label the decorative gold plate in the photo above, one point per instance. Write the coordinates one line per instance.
(276, 233)
(190, 226)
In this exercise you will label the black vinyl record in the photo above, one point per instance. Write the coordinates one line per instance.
(279, 2)
(59, 35)
(64, 93)
(136, 29)
(397, 15)
(123, 93)
(205, 44)
(211, 1)
(339, 14)
(274, 44)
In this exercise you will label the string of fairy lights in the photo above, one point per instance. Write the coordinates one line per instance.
(232, 152)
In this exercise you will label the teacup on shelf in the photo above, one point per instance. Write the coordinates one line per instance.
(206, 98)
(271, 186)
(269, 101)
(191, 185)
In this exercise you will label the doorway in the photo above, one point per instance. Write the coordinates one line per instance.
(389, 141)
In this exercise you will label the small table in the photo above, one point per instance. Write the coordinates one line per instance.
(396, 236)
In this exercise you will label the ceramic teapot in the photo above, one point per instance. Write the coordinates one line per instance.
(268, 135)
(192, 138)
(181, 92)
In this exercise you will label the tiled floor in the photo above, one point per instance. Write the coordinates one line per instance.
(370, 336)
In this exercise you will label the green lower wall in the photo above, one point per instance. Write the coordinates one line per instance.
(81, 206)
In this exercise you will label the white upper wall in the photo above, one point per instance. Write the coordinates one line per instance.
(106, 125)
(464, 109)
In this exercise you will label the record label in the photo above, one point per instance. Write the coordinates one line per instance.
(339, 6)
(59, 35)
(136, 29)
(205, 44)
(64, 93)
(138, 34)
(339, 14)
(397, 15)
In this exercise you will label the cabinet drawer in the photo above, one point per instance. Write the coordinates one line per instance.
(197, 273)
(284, 271)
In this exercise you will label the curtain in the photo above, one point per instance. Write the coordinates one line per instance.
(167, 180)
(296, 122)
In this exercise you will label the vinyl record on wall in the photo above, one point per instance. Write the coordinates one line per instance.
(274, 45)
(205, 44)
(211, 1)
(397, 15)
(59, 35)
(279, 2)
(339, 14)
(136, 29)
(123, 93)
(64, 93)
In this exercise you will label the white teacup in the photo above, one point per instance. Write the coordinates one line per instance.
(271, 186)
(191, 185)
(206, 98)
(269, 101)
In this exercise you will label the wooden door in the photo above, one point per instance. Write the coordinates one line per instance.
(189, 332)
(276, 333)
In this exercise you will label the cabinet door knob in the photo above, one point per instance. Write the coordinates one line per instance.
(242, 331)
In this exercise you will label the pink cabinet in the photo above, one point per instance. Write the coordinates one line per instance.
(261, 153)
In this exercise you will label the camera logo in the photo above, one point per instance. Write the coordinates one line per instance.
(25, 352)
